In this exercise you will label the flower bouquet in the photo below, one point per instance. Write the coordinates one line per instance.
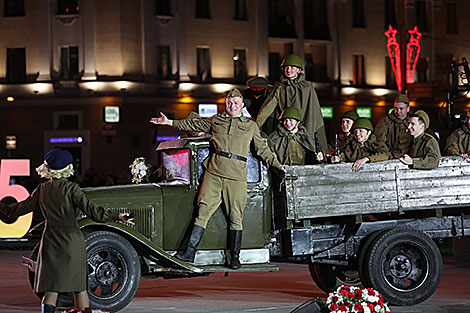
(356, 300)
(140, 170)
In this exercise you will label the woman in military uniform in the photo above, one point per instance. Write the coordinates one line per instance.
(364, 148)
(61, 264)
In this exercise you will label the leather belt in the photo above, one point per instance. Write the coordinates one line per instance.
(231, 155)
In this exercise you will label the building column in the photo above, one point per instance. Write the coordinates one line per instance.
(45, 42)
(89, 68)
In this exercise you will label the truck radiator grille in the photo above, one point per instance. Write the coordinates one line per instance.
(143, 219)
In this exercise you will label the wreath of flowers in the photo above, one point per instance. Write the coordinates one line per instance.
(140, 170)
(356, 300)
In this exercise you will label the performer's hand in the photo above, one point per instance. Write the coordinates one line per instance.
(464, 155)
(335, 159)
(357, 165)
(282, 168)
(406, 159)
(127, 218)
(319, 156)
(162, 120)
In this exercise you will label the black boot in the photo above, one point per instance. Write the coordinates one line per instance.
(235, 243)
(190, 252)
(47, 308)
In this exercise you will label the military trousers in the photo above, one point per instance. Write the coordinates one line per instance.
(214, 190)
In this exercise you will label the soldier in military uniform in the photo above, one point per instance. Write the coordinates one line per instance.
(425, 153)
(254, 95)
(364, 148)
(226, 175)
(392, 129)
(291, 142)
(347, 121)
(61, 263)
(292, 90)
(458, 143)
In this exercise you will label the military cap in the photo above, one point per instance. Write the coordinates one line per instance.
(352, 115)
(257, 82)
(234, 93)
(58, 159)
(424, 116)
(292, 60)
(291, 112)
(363, 123)
(402, 98)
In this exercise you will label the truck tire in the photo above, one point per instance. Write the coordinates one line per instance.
(113, 270)
(329, 277)
(64, 299)
(365, 248)
(404, 265)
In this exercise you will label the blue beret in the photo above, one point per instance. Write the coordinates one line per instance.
(58, 159)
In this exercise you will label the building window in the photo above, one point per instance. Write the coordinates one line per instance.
(390, 80)
(203, 64)
(203, 9)
(452, 26)
(358, 70)
(358, 14)
(314, 70)
(274, 69)
(163, 7)
(69, 62)
(281, 19)
(16, 65)
(163, 62)
(241, 13)
(316, 20)
(14, 8)
(390, 14)
(421, 16)
(239, 65)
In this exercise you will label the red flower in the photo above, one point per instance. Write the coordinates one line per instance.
(371, 306)
(333, 307)
(358, 307)
(381, 303)
(371, 292)
(343, 308)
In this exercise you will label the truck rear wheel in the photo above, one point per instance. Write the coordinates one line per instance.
(403, 264)
(329, 277)
(113, 270)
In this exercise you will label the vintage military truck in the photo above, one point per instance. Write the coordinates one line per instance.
(376, 227)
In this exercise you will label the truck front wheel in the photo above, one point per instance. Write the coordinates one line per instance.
(113, 270)
(403, 264)
(329, 277)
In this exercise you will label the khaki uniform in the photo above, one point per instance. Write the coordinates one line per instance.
(374, 149)
(392, 131)
(226, 177)
(344, 139)
(300, 94)
(458, 142)
(426, 151)
(292, 149)
(61, 264)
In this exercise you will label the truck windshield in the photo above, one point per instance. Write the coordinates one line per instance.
(176, 165)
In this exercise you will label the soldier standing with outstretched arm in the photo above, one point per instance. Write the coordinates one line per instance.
(226, 175)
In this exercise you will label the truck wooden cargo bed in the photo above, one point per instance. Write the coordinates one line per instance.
(315, 191)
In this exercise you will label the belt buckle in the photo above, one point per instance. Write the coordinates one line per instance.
(229, 155)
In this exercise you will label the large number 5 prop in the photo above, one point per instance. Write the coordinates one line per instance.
(10, 168)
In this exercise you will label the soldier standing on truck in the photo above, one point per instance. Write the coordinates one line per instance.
(364, 148)
(291, 142)
(292, 90)
(425, 153)
(226, 175)
(392, 129)
(458, 143)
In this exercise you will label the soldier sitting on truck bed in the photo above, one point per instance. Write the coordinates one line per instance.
(226, 175)
(425, 153)
(291, 142)
(347, 121)
(364, 148)
(458, 143)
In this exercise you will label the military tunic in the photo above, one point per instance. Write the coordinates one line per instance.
(225, 177)
(292, 149)
(458, 142)
(372, 148)
(393, 131)
(61, 263)
(300, 94)
(344, 139)
(425, 152)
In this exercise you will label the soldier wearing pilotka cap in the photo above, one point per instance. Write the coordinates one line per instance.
(226, 175)
(424, 153)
